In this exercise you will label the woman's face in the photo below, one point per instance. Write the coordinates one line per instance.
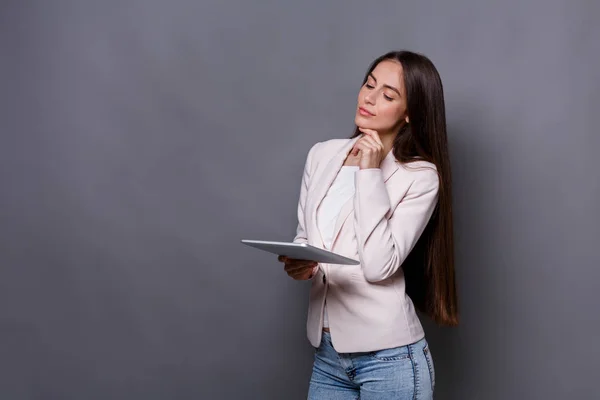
(382, 99)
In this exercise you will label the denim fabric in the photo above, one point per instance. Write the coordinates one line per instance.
(400, 373)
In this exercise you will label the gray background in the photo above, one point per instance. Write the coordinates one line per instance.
(141, 140)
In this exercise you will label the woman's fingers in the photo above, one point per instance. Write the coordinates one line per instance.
(363, 145)
(358, 146)
(299, 267)
(372, 134)
(371, 143)
(373, 139)
(302, 275)
(292, 264)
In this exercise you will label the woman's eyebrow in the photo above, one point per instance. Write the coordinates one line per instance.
(387, 86)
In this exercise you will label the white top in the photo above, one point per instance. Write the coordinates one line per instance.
(341, 190)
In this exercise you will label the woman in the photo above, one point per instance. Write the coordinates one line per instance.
(382, 197)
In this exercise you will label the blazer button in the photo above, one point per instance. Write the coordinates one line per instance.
(324, 279)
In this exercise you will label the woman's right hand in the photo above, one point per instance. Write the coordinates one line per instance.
(300, 270)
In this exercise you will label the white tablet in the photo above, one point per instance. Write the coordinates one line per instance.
(301, 251)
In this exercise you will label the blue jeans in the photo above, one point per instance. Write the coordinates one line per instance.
(399, 373)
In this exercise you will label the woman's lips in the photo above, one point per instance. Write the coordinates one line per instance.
(365, 112)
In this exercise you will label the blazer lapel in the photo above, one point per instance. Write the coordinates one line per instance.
(326, 179)
(388, 166)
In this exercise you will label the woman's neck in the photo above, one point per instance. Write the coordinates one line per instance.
(388, 141)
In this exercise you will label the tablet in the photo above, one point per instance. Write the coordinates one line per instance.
(301, 251)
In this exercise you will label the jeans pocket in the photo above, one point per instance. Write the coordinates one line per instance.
(391, 354)
(430, 366)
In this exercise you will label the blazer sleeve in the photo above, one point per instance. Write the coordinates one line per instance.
(385, 236)
(301, 236)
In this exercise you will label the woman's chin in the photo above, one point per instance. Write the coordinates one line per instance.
(363, 122)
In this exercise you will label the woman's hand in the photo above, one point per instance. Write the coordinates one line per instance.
(300, 270)
(370, 148)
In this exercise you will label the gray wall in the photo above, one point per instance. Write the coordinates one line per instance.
(140, 140)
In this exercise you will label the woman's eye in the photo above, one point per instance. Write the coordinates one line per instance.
(369, 86)
(387, 97)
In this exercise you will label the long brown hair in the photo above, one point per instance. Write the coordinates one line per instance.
(429, 268)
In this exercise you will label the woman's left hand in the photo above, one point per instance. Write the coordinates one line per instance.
(370, 148)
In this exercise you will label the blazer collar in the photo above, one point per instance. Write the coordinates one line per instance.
(389, 165)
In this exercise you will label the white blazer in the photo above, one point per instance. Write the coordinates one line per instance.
(367, 306)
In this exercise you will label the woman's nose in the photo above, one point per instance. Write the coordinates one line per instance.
(370, 98)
